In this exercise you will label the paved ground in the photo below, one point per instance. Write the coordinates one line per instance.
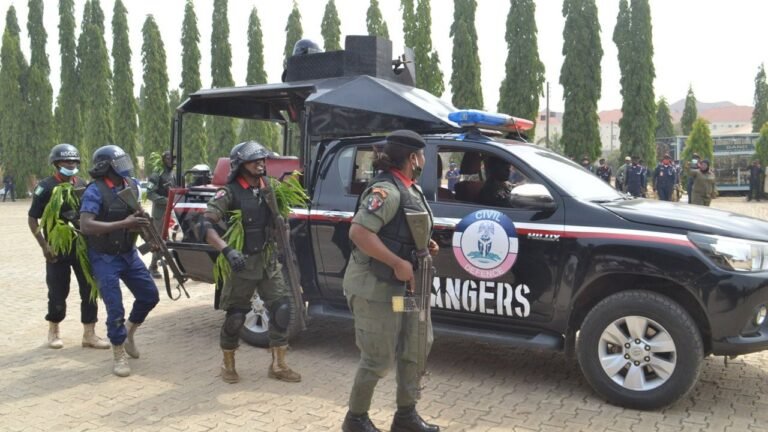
(175, 387)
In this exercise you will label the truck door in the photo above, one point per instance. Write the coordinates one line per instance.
(341, 180)
(524, 294)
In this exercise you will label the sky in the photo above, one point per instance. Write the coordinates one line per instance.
(714, 46)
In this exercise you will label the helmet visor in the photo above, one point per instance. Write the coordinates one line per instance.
(123, 165)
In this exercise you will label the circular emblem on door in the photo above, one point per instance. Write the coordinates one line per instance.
(485, 244)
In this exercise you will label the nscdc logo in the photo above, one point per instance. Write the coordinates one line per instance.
(485, 244)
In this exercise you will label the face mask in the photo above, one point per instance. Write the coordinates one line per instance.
(416, 171)
(68, 172)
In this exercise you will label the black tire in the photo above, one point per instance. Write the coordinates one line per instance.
(637, 375)
(255, 330)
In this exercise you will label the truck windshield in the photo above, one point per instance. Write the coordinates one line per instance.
(571, 177)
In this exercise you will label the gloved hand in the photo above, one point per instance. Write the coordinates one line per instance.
(235, 258)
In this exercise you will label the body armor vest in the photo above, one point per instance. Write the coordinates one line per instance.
(112, 209)
(257, 218)
(396, 235)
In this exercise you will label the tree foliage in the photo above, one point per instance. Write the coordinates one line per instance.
(465, 77)
(761, 146)
(699, 141)
(155, 112)
(523, 83)
(690, 113)
(664, 126)
(39, 115)
(95, 80)
(634, 40)
(67, 113)
(760, 112)
(330, 27)
(221, 130)
(580, 78)
(375, 22)
(264, 132)
(193, 130)
(417, 29)
(293, 31)
(125, 109)
(13, 71)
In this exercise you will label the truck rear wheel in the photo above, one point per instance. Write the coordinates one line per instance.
(255, 330)
(640, 350)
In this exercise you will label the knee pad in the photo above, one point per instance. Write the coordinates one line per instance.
(233, 322)
(280, 314)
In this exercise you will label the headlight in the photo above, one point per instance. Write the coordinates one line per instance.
(732, 253)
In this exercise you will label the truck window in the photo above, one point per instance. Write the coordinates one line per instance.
(363, 170)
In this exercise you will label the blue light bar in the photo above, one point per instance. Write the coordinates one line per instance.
(484, 119)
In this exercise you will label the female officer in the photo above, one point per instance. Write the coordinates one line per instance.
(379, 268)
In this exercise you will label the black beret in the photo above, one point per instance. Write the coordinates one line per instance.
(406, 138)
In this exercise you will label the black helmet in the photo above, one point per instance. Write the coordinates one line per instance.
(245, 152)
(305, 46)
(62, 152)
(111, 156)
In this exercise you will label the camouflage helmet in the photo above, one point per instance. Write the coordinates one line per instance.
(62, 152)
(245, 152)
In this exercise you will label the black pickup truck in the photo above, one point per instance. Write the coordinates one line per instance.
(638, 290)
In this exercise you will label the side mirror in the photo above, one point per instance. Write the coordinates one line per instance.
(532, 196)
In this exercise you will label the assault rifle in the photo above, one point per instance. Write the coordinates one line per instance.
(419, 223)
(154, 241)
(282, 230)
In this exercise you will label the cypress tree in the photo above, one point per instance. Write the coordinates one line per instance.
(375, 22)
(264, 132)
(633, 37)
(690, 113)
(39, 114)
(67, 113)
(761, 146)
(330, 28)
(293, 31)
(523, 84)
(13, 70)
(418, 35)
(699, 141)
(193, 130)
(125, 111)
(760, 112)
(95, 80)
(155, 112)
(580, 78)
(465, 77)
(664, 126)
(221, 130)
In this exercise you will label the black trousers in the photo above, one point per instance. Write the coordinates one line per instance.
(10, 190)
(57, 277)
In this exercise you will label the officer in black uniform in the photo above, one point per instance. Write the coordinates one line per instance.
(497, 190)
(159, 184)
(65, 159)
(254, 268)
(110, 229)
(635, 178)
(664, 179)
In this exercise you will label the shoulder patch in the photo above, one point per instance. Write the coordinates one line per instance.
(375, 201)
(221, 193)
(381, 191)
(38, 190)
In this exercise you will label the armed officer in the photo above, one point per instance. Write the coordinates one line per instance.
(664, 179)
(157, 191)
(497, 189)
(635, 178)
(109, 227)
(65, 159)
(379, 268)
(255, 267)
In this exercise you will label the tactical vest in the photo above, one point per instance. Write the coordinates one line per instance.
(112, 209)
(257, 218)
(396, 235)
(165, 180)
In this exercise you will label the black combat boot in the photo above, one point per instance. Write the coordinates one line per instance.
(408, 420)
(358, 423)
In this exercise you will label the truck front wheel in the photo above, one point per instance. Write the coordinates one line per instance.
(640, 350)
